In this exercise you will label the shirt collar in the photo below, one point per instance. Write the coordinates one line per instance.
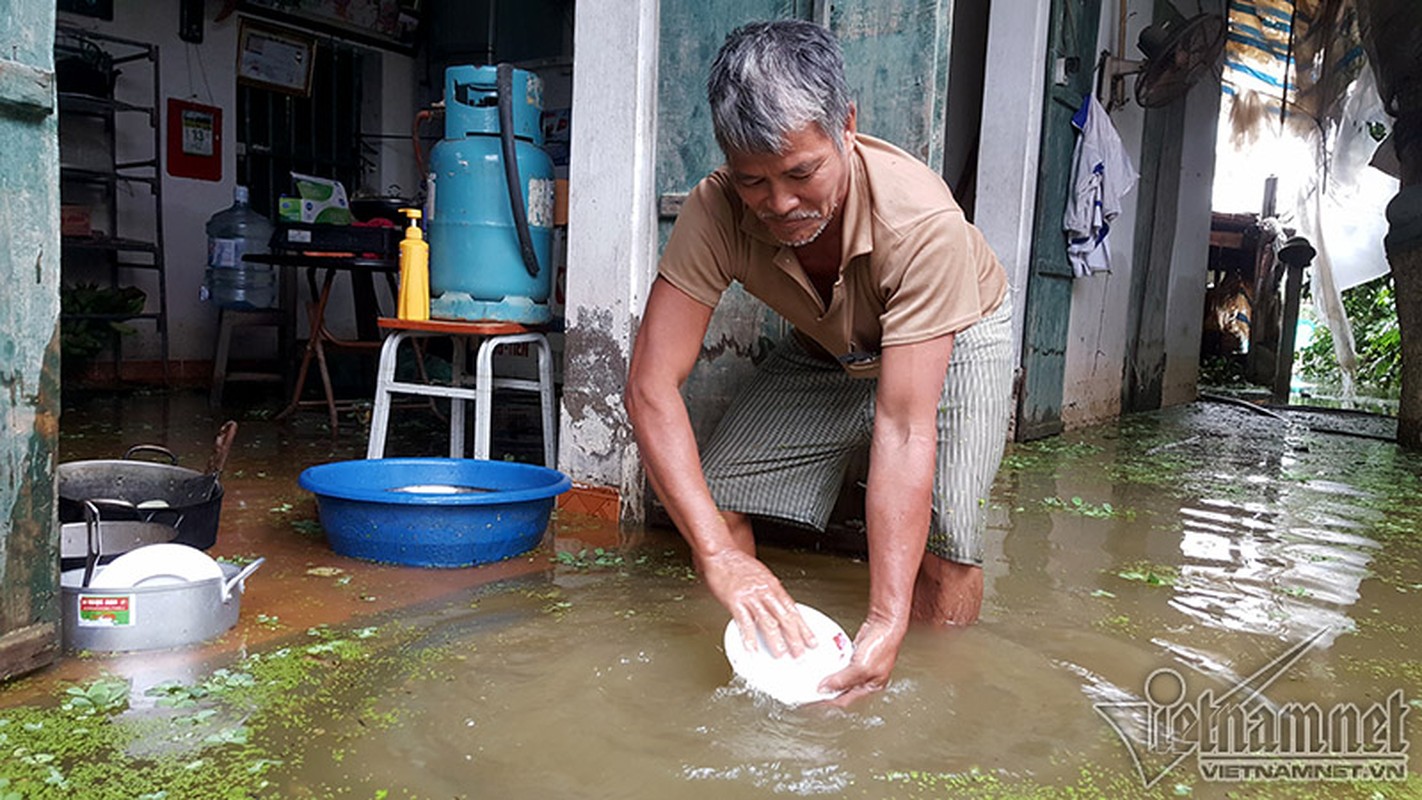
(858, 234)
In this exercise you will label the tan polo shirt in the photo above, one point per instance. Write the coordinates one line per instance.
(912, 269)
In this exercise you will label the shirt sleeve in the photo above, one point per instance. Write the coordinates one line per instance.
(934, 281)
(698, 258)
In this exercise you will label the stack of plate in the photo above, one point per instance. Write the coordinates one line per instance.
(157, 565)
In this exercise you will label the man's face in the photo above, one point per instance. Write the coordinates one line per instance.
(797, 191)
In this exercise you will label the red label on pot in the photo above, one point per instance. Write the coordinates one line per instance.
(106, 610)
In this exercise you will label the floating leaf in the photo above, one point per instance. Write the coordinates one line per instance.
(238, 735)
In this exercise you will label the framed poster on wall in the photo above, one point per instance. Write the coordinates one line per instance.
(390, 24)
(275, 58)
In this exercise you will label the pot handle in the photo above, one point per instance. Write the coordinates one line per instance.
(150, 448)
(221, 447)
(114, 505)
(239, 577)
(91, 528)
(174, 516)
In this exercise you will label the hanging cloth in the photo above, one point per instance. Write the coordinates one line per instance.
(1101, 174)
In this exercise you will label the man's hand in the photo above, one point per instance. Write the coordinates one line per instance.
(757, 601)
(876, 648)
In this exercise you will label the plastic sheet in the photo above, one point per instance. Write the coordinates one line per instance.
(1345, 217)
(1352, 209)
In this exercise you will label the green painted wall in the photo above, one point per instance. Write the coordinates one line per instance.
(29, 336)
(1047, 314)
(896, 63)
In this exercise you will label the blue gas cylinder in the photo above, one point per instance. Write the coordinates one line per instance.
(479, 267)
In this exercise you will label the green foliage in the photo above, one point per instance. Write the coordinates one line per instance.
(1080, 507)
(1224, 371)
(586, 559)
(309, 528)
(1046, 453)
(1150, 575)
(83, 338)
(220, 737)
(1372, 310)
(98, 697)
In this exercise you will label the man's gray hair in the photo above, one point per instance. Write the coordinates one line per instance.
(771, 79)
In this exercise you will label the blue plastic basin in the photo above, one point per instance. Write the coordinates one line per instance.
(434, 512)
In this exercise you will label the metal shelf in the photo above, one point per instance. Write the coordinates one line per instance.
(131, 235)
(116, 317)
(116, 245)
(79, 103)
(102, 177)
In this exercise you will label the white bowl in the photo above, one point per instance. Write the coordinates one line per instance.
(792, 681)
(157, 565)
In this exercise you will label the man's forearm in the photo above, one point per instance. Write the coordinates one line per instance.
(898, 509)
(670, 457)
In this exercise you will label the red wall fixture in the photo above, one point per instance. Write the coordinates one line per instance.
(194, 140)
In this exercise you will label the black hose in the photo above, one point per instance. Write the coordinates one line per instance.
(504, 87)
(1235, 401)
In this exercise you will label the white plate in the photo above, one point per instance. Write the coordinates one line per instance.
(440, 488)
(793, 681)
(157, 565)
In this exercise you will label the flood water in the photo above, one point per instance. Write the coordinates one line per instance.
(1205, 541)
(1201, 542)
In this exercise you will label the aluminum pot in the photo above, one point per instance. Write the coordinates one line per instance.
(189, 500)
(153, 617)
(101, 541)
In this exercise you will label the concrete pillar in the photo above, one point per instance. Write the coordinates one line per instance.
(1012, 138)
(1191, 252)
(612, 241)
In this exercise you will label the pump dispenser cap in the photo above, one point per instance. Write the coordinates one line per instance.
(413, 232)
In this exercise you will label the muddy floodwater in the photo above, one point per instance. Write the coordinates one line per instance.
(1164, 595)
(1203, 541)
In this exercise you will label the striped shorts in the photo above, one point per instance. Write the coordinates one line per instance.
(784, 445)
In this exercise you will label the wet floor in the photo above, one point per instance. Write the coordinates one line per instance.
(1136, 571)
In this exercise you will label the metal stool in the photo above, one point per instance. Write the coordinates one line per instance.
(490, 337)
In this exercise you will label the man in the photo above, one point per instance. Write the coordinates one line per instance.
(863, 249)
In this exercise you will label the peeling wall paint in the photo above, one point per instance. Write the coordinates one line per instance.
(595, 373)
(29, 339)
(741, 334)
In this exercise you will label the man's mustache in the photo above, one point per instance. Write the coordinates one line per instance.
(793, 216)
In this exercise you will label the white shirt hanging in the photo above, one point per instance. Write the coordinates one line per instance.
(1101, 174)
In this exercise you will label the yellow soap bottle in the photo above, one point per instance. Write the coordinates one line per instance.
(414, 300)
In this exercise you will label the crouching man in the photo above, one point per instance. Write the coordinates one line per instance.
(902, 340)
